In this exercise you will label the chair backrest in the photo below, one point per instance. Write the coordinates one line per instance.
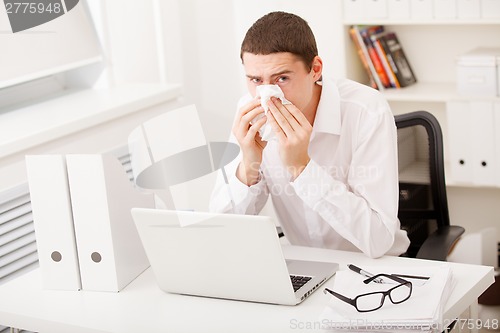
(423, 205)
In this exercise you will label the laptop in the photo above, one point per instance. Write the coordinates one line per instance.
(227, 256)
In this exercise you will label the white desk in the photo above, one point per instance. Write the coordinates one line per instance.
(143, 307)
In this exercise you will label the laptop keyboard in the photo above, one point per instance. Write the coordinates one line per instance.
(299, 281)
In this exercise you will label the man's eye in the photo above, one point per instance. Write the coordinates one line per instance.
(256, 81)
(282, 79)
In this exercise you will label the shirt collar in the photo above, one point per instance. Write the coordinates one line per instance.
(327, 119)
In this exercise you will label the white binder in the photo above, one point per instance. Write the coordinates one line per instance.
(53, 220)
(483, 140)
(459, 118)
(496, 124)
(472, 158)
(110, 252)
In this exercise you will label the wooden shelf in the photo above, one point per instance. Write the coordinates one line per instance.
(422, 91)
(430, 92)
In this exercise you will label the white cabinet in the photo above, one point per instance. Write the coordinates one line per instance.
(432, 43)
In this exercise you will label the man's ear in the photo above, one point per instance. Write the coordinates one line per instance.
(317, 68)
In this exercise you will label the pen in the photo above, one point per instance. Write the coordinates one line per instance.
(363, 272)
(412, 277)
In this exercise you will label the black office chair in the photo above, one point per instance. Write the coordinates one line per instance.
(423, 204)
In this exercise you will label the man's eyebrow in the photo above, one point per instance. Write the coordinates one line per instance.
(286, 71)
(274, 75)
(253, 77)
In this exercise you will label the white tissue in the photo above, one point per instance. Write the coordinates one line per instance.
(265, 92)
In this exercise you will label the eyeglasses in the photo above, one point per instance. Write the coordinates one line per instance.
(374, 301)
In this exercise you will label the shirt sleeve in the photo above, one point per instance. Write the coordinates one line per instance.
(230, 195)
(363, 210)
(235, 197)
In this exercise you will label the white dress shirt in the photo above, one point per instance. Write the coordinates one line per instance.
(347, 196)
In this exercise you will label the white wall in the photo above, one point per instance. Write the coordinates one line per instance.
(210, 63)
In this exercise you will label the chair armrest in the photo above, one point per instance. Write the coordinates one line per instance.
(438, 244)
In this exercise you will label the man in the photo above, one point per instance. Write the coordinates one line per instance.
(331, 170)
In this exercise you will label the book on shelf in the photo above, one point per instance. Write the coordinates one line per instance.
(366, 33)
(397, 59)
(382, 56)
(379, 47)
(365, 58)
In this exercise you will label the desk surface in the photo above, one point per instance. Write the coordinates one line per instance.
(143, 307)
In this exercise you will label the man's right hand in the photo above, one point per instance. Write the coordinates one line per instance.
(250, 142)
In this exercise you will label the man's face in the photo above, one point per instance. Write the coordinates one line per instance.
(285, 70)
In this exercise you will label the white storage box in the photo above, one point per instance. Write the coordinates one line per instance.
(398, 9)
(468, 9)
(445, 9)
(365, 9)
(422, 9)
(478, 72)
(490, 9)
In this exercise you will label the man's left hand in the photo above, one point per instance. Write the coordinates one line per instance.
(293, 131)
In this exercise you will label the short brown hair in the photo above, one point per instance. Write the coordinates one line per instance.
(281, 32)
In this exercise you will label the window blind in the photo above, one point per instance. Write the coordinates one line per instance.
(17, 238)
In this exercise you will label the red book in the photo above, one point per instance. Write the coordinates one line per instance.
(365, 58)
(366, 33)
(377, 43)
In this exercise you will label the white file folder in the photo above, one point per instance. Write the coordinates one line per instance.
(459, 118)
(482, 125)
(496, 124)
(53, 220)
(110, 252)
(473, 158)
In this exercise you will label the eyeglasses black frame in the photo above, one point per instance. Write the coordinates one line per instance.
(353, 301)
